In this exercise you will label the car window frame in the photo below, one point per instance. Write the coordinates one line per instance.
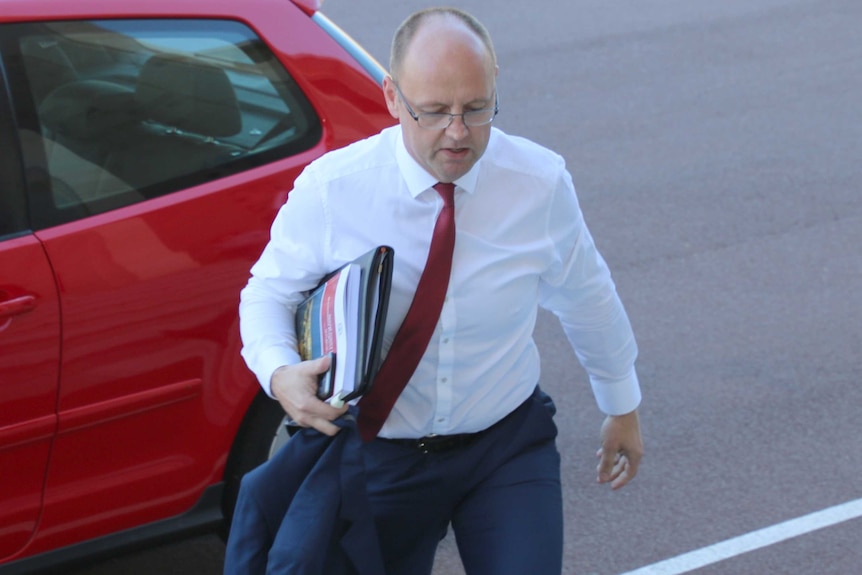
(13, 197)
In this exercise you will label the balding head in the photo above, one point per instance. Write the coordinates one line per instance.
(433, 22)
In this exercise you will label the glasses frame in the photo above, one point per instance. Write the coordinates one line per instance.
(463, 115)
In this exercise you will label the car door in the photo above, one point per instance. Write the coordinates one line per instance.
(29, 354)
(150, 194)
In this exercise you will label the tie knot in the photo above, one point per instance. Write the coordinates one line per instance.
(447, 192)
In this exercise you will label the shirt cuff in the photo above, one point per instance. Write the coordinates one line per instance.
(617, 397)
(269, 361)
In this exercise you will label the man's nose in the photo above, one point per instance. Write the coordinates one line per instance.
(457, 129)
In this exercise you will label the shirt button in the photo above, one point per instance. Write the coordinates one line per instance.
(446, 340)
(444, 379)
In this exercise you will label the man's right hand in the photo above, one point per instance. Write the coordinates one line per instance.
(295, 388)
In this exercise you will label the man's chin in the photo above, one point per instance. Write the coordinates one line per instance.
(452, 169)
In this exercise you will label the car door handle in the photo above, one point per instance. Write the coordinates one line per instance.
(17, 306)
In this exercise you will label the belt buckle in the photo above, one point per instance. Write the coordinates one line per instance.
(423, 444)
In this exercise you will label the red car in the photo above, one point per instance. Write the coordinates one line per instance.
(144, 150)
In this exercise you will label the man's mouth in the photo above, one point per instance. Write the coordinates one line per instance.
(456, 151)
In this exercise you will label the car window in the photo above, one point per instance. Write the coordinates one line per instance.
(114, 112)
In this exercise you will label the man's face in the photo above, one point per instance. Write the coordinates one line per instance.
(446, 70)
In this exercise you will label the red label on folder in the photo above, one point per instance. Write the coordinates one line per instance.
(327, 319)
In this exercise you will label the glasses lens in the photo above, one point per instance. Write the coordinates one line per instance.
(434, 121)
(479, 117)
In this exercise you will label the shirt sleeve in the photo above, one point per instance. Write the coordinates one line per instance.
(579, 290)
(289, 265)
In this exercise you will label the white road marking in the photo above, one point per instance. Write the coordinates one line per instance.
(754, 540)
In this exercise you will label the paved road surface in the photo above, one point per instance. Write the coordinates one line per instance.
(716, 148)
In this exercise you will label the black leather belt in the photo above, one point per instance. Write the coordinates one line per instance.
(438, 443)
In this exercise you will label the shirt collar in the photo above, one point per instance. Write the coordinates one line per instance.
(418, 179)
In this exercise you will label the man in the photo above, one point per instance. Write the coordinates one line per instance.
(520, 242)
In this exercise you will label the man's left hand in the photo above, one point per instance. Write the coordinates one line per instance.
(621, 450)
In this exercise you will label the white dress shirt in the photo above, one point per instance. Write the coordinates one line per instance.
(521, 241)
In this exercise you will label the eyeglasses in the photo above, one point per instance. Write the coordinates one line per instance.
(441, 120)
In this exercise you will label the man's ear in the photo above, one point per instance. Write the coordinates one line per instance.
(391, 96)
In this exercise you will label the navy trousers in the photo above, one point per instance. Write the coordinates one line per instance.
(501, 495)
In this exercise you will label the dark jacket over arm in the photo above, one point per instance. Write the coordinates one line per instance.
(306, 511)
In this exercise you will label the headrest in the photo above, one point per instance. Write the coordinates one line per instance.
(88, 109)
(188, 95)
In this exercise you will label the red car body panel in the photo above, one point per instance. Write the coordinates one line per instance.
(29, 368)
(121, 382)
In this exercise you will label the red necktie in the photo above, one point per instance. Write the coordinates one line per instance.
(415, 333)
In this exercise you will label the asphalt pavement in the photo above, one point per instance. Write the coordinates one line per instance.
(717, 152)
